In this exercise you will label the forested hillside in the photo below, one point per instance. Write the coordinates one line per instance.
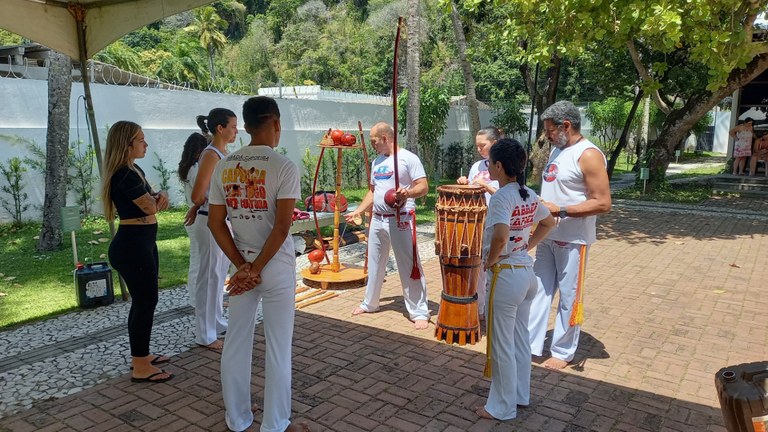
(346, 45)
(516, 52)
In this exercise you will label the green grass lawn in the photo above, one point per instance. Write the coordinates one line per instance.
(623, 165)
(37, 285)
(698, 172)
(700, 156)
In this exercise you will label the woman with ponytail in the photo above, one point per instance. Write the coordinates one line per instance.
(512, 212)
(208, 263)
(187, 172)
(479, 175)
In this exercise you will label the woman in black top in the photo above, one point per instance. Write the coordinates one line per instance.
(133, 251)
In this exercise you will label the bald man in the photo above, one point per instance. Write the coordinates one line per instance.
(384, 230)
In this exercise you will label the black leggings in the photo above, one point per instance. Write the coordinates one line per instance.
(133, 253)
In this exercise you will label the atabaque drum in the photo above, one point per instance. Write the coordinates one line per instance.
(460, 213)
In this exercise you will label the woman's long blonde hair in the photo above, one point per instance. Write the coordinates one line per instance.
(120, 136)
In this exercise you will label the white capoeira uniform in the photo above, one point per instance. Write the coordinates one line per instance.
(212, 266)
(249, 182)
(194, 255)
(479, 170)
(561, 258)
(510, 297)
(384, 233)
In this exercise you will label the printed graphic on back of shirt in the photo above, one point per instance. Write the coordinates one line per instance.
(522, 218)
(245, 188)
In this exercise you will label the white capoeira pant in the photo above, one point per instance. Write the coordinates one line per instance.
(482, 289)
(277, 293)
(384, 233)
(194, 263)
(557, 266)
(212, 266)
(509, 303)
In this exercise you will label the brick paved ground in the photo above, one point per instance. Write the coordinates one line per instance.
(671, 298)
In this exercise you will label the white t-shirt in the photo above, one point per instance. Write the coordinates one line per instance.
(563, 184)
(249, 182)
(480, 171)
(410, 169)
(507, 207)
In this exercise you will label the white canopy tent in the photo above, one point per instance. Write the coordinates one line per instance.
(56, 23)
(80, 28)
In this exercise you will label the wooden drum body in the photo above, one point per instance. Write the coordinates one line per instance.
(460, 212)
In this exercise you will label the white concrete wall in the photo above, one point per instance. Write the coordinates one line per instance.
(168, 117)
(721, 120)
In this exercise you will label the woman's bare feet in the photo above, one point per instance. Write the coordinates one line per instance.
(554, 363)
(297, 427)
(420, 324)
(216, 346)
(359, 311)
(482, 413)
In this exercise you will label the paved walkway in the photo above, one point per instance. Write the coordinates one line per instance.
(673, 295)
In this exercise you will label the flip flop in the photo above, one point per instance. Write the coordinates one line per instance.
(158, 360)
(150, 380)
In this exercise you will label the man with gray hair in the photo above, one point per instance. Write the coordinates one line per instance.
(575, 189)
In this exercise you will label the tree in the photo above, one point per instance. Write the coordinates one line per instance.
(279, 14)
(234, 13)
(466, 69)
(435, 104)
(56, 149)
(8, 38)
(121, 55)
(208, 27)
(183, 64)
(413, 75)
(690, 54)
(607, 118)
(251, 59)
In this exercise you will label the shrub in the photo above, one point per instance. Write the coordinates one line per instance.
(15, 188)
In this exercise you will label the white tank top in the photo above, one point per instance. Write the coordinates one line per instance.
(563, 184)
(190, 183)
(204, 207)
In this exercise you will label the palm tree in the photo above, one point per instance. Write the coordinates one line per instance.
(208, 26)
(181, 64)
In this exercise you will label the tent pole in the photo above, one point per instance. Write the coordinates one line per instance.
(78, 12)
